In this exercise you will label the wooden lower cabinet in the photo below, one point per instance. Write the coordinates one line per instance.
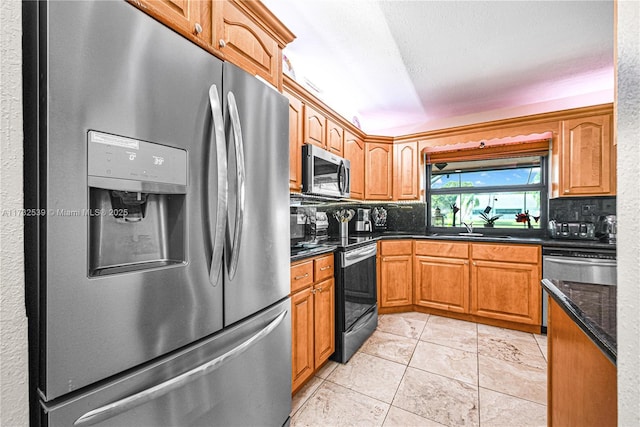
(497, 284)
(324, 320)
(582, 382)
(505, 282)
(442, 283)
(312, 317)
(506, 291)
(302, 336)
(396, 273)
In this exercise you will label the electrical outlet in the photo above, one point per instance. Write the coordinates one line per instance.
(587, 209)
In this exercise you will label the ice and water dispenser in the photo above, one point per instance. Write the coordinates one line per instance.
(137, 212)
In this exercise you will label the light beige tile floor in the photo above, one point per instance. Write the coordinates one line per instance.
(423, 370)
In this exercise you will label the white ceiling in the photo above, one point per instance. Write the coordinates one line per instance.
(409, 66)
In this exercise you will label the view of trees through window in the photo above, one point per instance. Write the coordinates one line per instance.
(498, 193)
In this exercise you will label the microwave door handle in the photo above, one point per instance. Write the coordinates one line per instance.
(240, 177)
(341, 175)
(218, 148)
(125, 404)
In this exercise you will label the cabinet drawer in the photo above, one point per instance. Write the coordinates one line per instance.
(515, 253)
(442, 249)
(395, 247)
(323, 267)
(301, 275)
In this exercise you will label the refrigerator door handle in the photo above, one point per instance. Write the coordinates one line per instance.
(215, 271)
(112, 409)
(240, 176)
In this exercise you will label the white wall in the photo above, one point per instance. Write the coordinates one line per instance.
(628, 132)
(13, 323)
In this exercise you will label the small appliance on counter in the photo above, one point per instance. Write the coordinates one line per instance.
(320, 230)
(607, 228)
(363, 220)
(379, 219)
(572, 230)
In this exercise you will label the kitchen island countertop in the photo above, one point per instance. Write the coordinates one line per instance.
(592, 307)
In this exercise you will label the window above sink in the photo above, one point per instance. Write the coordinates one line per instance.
(493, 196)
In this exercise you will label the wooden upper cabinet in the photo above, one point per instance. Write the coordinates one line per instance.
(405, 171)
(354, 152)
(296, 125)
(586, 160)
(315, 126)
(245, 43)
(191, 18)
(378, 169)
(335, 137)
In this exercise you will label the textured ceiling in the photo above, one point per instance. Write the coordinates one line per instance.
(407, 66)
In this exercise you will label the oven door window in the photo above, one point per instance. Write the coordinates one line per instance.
(360, 290)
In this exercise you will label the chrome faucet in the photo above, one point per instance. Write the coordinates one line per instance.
(469, 227)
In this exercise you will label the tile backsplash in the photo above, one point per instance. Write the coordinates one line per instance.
(405, 216)
(583, 209)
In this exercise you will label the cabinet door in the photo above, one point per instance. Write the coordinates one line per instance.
(302, 337)
(191, 18)
(296, 122)
(396, 281)
(586, 157)
(378, 171)
(506, 291)
(315, 125)
(405, 171)
(245, 43)
(324, 320)
(354, 152)
(335, 137)
(442, 283)
(582, 381)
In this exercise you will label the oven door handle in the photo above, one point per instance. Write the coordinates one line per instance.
(356, 255)
(590, 262)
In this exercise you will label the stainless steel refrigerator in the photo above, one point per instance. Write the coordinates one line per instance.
(157, 252)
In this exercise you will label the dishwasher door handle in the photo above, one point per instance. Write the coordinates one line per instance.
(577, 261)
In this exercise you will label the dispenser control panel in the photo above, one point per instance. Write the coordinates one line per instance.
(112, 156)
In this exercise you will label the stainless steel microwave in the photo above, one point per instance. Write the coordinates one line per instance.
(324, 173)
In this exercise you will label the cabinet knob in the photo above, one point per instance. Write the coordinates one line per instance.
(474, 263)
(301, 277)
(325, 268)
(198, 28)
(222, 43)
(466, 263)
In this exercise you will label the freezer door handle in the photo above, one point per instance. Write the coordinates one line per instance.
(220, 150)
(112, 409)
(240, 177)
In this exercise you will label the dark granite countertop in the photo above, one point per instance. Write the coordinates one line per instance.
(313, 252)
(361, 239)
(592, 307)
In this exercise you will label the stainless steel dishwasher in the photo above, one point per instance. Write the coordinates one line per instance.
(578, 265)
